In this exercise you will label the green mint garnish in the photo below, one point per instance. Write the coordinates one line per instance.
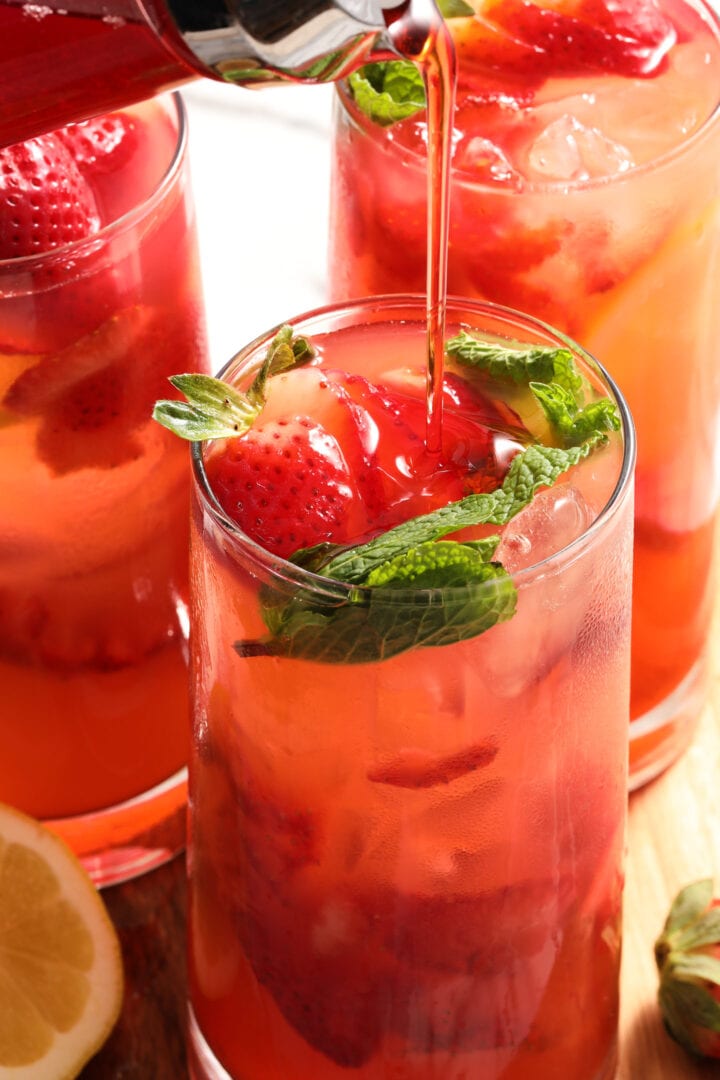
(571, 422)
(408, 587)
(533, 468)
(382, 619)
(532, 363)
(392, 90)
(553, 378)
(214, 409)
(388, 619)
(389, 91)
(455, 9)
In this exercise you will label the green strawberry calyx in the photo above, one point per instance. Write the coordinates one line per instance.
(687, 955)
(216, 410)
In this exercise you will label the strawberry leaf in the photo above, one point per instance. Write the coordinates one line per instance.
(214, 409)
(698, 967)
(689, 903)
(705, 930)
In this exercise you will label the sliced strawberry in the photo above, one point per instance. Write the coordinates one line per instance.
(289, 485)
(95, 395)
(101, 145)
(530, 41)
(418, 769)
(351, 964)
(413, 481)
(107, 618)
(44, 200)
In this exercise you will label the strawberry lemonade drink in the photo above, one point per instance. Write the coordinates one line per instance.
(99, 303)
(411, 672)
(586, 191)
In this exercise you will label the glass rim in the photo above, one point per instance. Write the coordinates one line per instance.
(710, 16)
(388, 302)
(74, 248)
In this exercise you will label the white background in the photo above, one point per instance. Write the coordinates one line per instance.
(260, 162)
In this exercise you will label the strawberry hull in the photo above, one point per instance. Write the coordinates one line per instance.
(401, 865)
(93, 528)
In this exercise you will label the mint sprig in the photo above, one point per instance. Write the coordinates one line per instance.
(388, 91)
(570, 421)
(520, 365)
(404, 609)
(553, 377)
(397, 603)
(392, 90)
(216, 410)
(408, 587)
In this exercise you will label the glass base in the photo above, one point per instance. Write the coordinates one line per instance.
(124, 841)
(659, 737)
(203, 1065)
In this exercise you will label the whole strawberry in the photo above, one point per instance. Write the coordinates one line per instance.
(44, 200)
(687, 954)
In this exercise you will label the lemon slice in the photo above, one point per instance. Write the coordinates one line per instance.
(61, 976)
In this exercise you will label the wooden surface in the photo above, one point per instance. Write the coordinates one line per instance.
(674, 838)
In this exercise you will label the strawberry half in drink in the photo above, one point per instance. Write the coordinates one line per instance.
(408, 771)
(94, 317)
(577, 124)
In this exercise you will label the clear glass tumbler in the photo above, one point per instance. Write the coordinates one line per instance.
(411, 865)
(571, 200)
(95, 505)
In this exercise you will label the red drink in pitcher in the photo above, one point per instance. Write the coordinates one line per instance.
(408, 781)
(576, 132)
(67, 60)
(100, 300)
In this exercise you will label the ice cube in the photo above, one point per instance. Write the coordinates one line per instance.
(486, 162)
(567, 149)
(552, 605)
(554, 518)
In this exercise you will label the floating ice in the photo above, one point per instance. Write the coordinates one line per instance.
(555, 517)
(567, 149)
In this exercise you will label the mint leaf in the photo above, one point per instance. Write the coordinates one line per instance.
(454, 9)
(533, 363)
(531, 469)
(214, 409)
(388, 91)
(571, 423)
(387, 619)
(412, 589)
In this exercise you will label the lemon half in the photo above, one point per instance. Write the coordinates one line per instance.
(61, 976)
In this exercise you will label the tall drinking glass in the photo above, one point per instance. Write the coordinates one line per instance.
(95, 502)
(592, 201)
(408, 862)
